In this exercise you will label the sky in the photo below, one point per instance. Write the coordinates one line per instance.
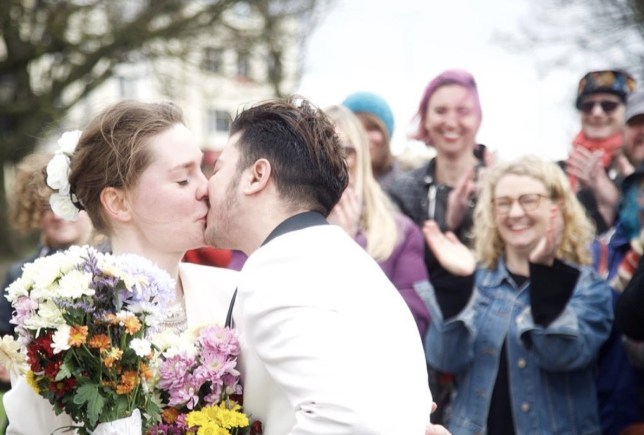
(369, 45)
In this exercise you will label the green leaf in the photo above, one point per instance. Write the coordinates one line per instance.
(89, 394)
(63, 373)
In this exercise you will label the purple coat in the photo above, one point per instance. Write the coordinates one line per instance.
(406, 266)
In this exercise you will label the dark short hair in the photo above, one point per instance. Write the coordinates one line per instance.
(300, 142)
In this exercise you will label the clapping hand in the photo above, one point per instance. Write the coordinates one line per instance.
(545, 251)
(585, 165)
(459, 199)
(347, 212)
(453, 255)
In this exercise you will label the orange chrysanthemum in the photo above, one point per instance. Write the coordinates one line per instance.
(111, 319)
(99, 341)
(132, 325)
(129, 381)
(111, 356)
(145, 371)
(77, 335)
(169, 415)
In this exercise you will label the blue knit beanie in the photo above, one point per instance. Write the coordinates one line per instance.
(374, 104)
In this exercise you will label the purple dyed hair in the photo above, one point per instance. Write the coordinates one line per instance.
(449, 77)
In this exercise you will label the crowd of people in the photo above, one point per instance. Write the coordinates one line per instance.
(509, 293)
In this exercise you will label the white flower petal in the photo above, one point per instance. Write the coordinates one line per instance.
(60, 339)
(68, 141)
(58, 172)
(63, 207)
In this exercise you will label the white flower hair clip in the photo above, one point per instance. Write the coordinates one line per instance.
(63, 202)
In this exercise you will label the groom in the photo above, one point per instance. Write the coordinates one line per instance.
(328, 345)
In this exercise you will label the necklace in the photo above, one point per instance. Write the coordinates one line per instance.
(176, 318)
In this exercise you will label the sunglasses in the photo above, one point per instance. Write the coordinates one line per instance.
(606, 105)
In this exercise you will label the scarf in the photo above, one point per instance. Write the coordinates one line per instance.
(609, 148)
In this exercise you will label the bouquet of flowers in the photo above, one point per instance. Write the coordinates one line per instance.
(82, 317)
(197, 381)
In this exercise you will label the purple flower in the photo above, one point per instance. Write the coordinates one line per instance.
(173, 371)
(160, 286)
(187, 395)
(219, 340)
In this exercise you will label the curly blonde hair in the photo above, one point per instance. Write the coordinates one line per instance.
(30, 199)
(578, 228)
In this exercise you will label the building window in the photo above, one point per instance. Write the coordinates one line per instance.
(243, 64)
(218, 121)
(212, 59)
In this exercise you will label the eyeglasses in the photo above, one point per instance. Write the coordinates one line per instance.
(607, 106)
(528, 202)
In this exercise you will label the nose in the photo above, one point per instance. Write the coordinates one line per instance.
(202, 188)
(516, 209)
(451, 118)
(597, 110)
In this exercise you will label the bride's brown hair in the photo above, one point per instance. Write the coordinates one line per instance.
(113, 151)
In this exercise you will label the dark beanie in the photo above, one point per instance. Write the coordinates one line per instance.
(616, 82)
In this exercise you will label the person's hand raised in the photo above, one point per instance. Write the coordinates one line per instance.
(347, 212)
(545, 251)
(585, 165)
(459, 200)
(453, 255)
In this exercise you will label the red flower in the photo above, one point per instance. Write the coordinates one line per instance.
(51, 369)
(256, 428)
(39, 351)
(43, 344)
(62, 387)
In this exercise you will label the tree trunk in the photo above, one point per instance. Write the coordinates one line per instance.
(7, 236)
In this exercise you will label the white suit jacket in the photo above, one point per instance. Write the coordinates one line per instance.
(328, 344)
(207, 291)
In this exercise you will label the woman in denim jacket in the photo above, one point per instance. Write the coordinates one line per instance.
(521, 330)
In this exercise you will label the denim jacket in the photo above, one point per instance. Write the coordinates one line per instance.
(551, 370)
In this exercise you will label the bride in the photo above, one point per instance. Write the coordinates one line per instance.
(136, 171)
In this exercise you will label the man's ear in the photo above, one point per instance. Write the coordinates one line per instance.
(115, 204)
(258, 176)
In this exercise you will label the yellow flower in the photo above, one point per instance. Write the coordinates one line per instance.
(77, 335)
(31, 381)
(213, 417)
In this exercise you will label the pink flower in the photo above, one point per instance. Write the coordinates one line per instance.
(219, 340)
(173, 372)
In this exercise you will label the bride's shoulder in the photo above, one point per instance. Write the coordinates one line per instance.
(208, 291)
(196, 278)
(198, 270)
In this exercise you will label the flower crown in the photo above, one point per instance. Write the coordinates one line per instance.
(63, 202)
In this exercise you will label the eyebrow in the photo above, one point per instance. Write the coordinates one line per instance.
(186, 165)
